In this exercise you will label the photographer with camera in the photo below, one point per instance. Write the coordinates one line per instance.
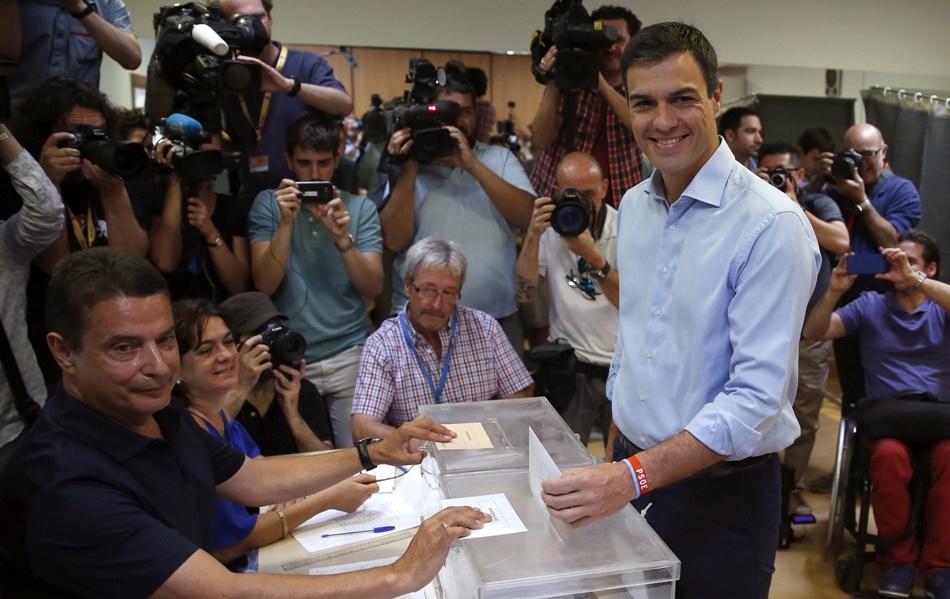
(293, 83)
(477, 196)
(68, 130)
(211, 258)
(67, 39)
(781, 165)
(280, 409)
(572, 248)
(317, 251)
(600, 125)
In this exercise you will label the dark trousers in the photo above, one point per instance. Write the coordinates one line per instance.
(724, 530)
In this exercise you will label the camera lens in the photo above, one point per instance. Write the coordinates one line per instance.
(569, 220)
(777, 179)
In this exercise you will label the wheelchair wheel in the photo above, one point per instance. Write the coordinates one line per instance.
(842, 470)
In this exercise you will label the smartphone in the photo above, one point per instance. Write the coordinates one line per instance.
(867, 264)
(315, 192)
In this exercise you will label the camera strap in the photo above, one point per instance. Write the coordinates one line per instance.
(436, 393)
(85, 241)
(265, 104)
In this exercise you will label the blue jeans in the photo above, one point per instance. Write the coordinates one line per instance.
(723, 530)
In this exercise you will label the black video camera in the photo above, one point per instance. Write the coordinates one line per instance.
(579, 40)
(424, 115)
(844, 163)
(186, 136)
(286, 347)
(194, 59)
(571, 214)
(120, 158)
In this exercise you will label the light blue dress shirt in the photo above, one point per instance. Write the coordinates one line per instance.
(712, 299)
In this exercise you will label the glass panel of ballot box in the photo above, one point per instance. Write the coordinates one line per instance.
(618, 557)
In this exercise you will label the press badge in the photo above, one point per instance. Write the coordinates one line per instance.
(257, 163)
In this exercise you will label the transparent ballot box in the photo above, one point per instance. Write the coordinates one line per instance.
(619, 557)
(505, 423)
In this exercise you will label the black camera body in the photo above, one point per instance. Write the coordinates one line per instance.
(286, 347)
(186, 136)
(120, 158)
(182, 70)
(424, 115)
(571, 214)
(579, 40)
(778, 177)
(844, 163)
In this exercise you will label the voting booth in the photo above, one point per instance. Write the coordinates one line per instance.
(616, 557)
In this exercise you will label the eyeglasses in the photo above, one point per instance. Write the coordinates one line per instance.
(869, 154)
(428, 294)
(583, 284)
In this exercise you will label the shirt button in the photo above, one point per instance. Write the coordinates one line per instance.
(666, 269)
(643, 439)
(314, 233)
(657, 312)
(643, 397)
(310, 220)
(649, 355)
(672, 227)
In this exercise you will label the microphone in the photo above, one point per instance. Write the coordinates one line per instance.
(182, 127)
(208, 38)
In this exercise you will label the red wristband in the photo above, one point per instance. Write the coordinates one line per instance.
(639, 476)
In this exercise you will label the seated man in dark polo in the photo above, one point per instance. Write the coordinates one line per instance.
(111, 493)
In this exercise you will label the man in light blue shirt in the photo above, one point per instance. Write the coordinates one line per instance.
(716, 269)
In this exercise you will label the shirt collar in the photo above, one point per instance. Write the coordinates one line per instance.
(445, 333)
(709, 183)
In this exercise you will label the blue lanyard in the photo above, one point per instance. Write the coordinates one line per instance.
(436, 393)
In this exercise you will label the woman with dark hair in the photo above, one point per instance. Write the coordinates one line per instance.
(209, 372)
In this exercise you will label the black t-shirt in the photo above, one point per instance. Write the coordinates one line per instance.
(271, 431)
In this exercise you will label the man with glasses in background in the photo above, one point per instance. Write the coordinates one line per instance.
(584, 287)
(878, 206)
(434, 350)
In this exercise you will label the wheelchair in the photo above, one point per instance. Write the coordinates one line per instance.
(850, 507)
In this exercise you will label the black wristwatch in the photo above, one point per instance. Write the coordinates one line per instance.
(601, 273)
(365, 460)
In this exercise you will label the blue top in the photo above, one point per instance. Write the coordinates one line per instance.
(308, 67)
(92, 509)
(895, 198)
(712, 300)
(316, 293)
(451, 204)
(900, 351)
(232, 522)
(54, 43)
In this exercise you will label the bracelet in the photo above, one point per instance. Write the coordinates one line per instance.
(295, 89)
(921, 277)
(283, 522)
(347, 247)
(640, 484)
(218, 242)
(84, 12)
(5, 135)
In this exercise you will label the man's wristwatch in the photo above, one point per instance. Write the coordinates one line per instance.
(364, 452)
(863, 205)
(601, 273)
(82, 14)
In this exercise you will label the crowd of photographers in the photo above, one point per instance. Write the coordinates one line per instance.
(248, 177)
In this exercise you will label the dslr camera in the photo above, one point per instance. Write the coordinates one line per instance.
(844, 163)
(571, 214)
(287, 347)
(424, 115)
(778, 177)
(579, 40)
(186, 136)
(120, 158)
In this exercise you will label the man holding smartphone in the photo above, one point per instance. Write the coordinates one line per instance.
(319, 262)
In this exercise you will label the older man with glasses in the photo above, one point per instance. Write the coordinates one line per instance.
(434, 350)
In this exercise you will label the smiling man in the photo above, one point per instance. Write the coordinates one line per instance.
(434, 351)
(717, 269)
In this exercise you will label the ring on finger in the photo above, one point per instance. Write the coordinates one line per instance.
(444, 525)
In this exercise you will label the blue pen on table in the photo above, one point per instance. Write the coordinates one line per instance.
(356, 532)
(404, 469)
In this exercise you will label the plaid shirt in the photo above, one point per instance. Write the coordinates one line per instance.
(624, 170)
(484, 366)
(486, 119)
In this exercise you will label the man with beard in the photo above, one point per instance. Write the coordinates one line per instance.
(742, 130)
(434, 351)
(293, 83)
(477, 197)
(602, 119)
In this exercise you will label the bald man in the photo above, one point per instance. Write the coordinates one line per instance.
(584, 286)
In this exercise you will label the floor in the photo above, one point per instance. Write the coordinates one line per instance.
(806, 570)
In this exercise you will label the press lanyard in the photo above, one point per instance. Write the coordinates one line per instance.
(85, 241)
(436, 393)
(265, 105)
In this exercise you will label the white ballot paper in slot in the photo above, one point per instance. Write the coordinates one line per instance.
(471, 435)
(541, 467)
(505, 520)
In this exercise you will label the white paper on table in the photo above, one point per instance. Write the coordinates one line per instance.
(505, 520)
(471, 435)
(541, 467)
(384, 509)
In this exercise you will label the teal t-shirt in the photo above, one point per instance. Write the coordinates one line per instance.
(316, 294)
